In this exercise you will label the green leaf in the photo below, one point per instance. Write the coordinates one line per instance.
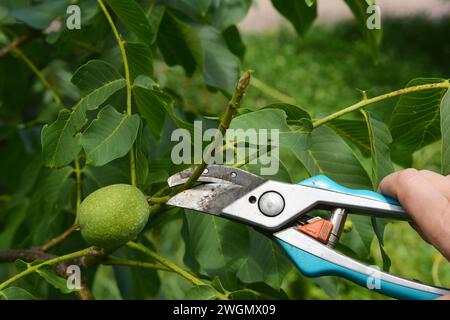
(298, 12)
(151, 108)
(16, 216)
(372, 36)
(234, 41)
(44, 210)
(48, 189)
(226, 13)
(154, 12)
(295, 137)
(140, 59)
(331, 156)
(354, 131)
(445, 129)
(104, 286)
(220, 67)
(201, 293)
(378, 226)
(123, 282)
(243, 294)
(142, 166)
(59, 144)
(199, 46)
(380, 138)
(15, 293)
(267, 292)
(130, 13)
(194, 9)
(110, 136)
(94, 75)
(265, 262)
(154, 105)
(38, 16)
(360, 237)
(250, 271)
(415, 121)
(179, 43)
(216, 284)
(97, 81)
(117, 171)
(295, 116)
(56, 281)
(215, 244)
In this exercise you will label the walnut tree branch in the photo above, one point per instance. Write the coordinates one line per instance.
(158, 199)
(225, 121)
(57, 240)
(33, 254)
(16, 42)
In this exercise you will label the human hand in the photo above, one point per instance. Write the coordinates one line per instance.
(425, 195)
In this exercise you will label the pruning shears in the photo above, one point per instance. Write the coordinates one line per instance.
(280, 211)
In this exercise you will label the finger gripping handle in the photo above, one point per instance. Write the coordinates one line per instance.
(323, 182)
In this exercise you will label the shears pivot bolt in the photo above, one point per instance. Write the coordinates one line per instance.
(271, 203)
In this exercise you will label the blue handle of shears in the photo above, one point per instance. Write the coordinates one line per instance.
(323, 182)
(314, 266)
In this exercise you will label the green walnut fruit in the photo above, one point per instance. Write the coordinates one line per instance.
(113, 215)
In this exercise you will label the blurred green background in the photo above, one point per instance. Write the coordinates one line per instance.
(325, 72)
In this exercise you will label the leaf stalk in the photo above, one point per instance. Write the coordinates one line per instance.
(367, 101)
(123, 53)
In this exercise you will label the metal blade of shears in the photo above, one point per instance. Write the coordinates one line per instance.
(219, 187)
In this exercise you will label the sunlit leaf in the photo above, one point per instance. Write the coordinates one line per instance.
(415, 121)
(354, 131)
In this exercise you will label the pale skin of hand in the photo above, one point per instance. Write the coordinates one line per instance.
(425, 195)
